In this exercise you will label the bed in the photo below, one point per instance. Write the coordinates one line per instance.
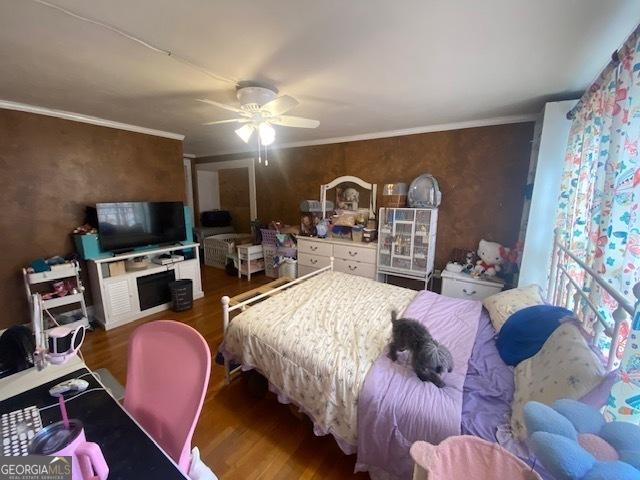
(321, 346)
(312, 348)
(320, 341)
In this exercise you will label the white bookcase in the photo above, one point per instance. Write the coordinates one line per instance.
(116, 298)
(407, 242)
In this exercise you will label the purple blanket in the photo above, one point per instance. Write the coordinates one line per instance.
(488, 388)
(395, 408)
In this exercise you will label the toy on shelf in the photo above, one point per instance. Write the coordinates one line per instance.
(573, 441)
(310, 216)
(490, 258)
(464, 258)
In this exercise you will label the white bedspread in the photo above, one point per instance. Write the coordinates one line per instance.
(316, 342)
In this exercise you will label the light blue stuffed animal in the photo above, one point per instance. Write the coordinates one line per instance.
(573, 442)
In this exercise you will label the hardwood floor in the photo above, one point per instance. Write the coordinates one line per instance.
(239, 437)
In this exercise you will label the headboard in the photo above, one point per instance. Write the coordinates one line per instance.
(567, 280)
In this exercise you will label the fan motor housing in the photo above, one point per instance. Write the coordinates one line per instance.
(252, 98)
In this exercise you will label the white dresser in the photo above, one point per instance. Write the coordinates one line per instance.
(463, 285)
(348, 257)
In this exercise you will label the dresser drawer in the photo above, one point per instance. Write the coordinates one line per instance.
(360, 254)
(305, 270)
(351, 267)
(312, 260)
(315, 248)
(467, 290)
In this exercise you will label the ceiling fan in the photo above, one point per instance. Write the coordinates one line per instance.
(261, 108)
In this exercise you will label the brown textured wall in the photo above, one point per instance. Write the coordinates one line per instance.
(481, 171)
(234, 196)
(53, 168)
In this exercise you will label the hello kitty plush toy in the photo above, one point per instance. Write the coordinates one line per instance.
(490, 254)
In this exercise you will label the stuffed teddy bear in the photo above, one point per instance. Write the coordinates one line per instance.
(490, 258)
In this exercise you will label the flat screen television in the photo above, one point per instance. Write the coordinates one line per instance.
(125, 225)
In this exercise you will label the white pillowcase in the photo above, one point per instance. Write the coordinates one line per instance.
(502, 305)
(565, 367)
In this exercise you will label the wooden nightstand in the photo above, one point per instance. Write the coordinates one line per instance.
(463, 285)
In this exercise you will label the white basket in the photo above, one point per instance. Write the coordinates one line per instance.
(217, 247)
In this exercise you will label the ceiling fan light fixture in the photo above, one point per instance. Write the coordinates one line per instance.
(245, 132)
(267, 133)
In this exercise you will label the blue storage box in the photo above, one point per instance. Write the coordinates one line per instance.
(88, 246)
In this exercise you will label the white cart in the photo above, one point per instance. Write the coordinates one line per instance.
(246, 254)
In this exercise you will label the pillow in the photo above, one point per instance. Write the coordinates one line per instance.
(502, 305)
(524, 333)
(565, 367)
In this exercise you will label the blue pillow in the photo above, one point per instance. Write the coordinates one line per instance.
(524, 332)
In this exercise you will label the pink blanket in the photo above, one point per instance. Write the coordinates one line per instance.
(396, 409)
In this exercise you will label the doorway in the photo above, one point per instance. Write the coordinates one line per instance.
(231, 186)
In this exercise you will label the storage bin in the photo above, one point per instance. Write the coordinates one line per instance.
(268, 236)
(288, 268)
(117, 268)
(181, 295)
(88, 246)
(217, 247)
(269, 252)
(394, 195)
(357, 233)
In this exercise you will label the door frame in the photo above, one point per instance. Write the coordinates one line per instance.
(247, 163)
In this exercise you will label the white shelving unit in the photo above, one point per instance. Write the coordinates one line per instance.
(33, 283)
(116, 297)
(406, 242)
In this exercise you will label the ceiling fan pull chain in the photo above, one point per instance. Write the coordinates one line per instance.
(266, 158)
(259, 156)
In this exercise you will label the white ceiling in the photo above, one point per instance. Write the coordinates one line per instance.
(358, 66)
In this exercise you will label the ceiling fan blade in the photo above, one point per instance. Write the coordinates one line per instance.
(221, 105)
(292, 121)
(280, 105)
(232, 120)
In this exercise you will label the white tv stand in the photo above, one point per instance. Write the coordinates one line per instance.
(115, 298)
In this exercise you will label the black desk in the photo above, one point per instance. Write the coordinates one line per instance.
(128, 450)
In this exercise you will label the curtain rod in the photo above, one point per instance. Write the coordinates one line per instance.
(613, 63)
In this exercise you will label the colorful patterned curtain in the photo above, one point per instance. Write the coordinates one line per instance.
(598, 215)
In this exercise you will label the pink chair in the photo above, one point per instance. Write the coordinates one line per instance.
(167, 376)
(467, 458)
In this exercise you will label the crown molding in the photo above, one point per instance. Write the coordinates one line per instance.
(504, 120)
(78, 117)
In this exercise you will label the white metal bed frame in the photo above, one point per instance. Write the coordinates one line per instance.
(562, 290)
(565, 291)
(226, 309)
